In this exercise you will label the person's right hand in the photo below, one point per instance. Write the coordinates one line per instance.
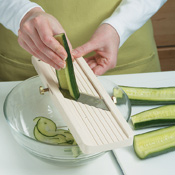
(36, 35)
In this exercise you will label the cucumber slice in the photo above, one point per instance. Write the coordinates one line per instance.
(155, 143)
(150, 96)
(117, 93)
(67, 134)
(36, 119)
(46, 131)
(66, 76)
(160, 116)
(58, 139)
(47, 127)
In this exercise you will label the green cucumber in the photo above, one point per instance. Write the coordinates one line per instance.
(117, 92)
(66, 76)
(46, 129)
(160, 116)
(150, 96)
(155, 142)
(58, 139)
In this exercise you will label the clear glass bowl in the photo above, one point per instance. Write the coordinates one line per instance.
(123, 102)
(21, 106)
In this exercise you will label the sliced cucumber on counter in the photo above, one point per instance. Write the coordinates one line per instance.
(155, 143)
(160, 116)
(66, 76)
(150, 96)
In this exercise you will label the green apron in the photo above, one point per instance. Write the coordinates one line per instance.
(138, 54)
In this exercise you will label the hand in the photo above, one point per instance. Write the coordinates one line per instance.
(105, 43)
(35, 35)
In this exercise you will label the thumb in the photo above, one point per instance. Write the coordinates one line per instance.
(84, 49)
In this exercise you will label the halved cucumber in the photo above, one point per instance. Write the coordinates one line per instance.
(160, 116)
(155, 143)
(150, 96)
(66, 76)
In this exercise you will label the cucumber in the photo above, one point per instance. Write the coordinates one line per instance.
(66, 76)
(47, 127)
(155, 142)
(160, 116)
(150, 96)
(117, 93)
(45, 130)
(58, 139)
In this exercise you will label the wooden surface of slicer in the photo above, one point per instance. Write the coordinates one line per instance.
(94, 129)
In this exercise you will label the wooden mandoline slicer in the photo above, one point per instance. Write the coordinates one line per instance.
(94, 129)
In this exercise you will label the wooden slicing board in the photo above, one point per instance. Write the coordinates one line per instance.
(94, 129)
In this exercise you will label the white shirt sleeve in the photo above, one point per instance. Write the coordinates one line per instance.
(12, 12)
(130, 15)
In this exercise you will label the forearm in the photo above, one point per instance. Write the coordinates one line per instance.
(130, 15)
(12, 12)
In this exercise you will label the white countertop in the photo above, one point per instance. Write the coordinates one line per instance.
(14, 160)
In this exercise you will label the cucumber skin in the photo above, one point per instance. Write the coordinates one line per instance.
(69, 66)
(148, 102)
(154, 122)
(156, 153)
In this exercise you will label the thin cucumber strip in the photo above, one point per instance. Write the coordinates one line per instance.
(160, 116)
(45, 131)
(59, 139)
(155, 143)
(47, 128)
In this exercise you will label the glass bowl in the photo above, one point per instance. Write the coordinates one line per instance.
(122, 100)
(22, 105)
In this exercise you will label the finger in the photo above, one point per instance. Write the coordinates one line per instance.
(99, 70)
(85, 49)
(44, 49)
(44, 58)
(23, 44)
(89, 58)
(102, 65)
(92, 64)
(51, 57)
(91, 61)
(47, 38)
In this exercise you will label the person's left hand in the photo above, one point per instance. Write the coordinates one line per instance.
(105, 43)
